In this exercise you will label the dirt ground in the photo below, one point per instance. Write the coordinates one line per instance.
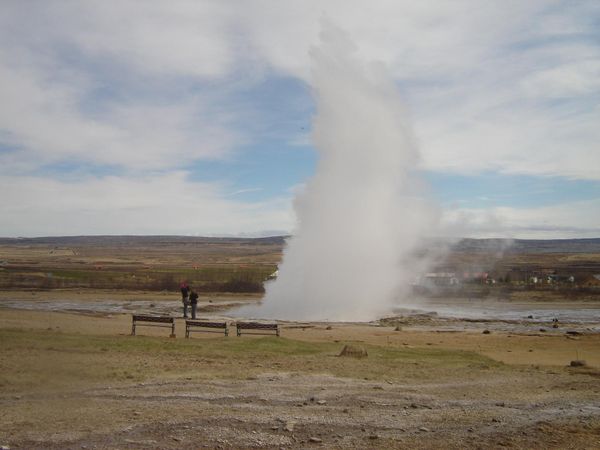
(80, 381)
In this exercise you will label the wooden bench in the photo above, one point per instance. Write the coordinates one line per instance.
(152, 321)
(205, 327)
(257, 328)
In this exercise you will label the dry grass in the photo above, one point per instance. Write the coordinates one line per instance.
(47, 360)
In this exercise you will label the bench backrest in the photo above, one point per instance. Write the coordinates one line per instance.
(206, 324)
(137, 318)
(257, 326)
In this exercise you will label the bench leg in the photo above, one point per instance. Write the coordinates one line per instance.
(187, 332)
(226, 331)
(133, 329)
(277, 332)
(239, 332)
(172, 330)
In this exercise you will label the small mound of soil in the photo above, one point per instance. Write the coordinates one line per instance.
(578, 363)
(354, 351)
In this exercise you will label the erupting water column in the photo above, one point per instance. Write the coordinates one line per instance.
(362, 217)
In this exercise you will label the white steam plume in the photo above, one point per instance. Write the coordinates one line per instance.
(362, 216)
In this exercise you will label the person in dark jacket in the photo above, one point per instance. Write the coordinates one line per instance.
(194, 303)
(185, 297)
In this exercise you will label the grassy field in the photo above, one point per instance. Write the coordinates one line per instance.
(43, 360)
(86, 384)
(153, 264)
(220, 265)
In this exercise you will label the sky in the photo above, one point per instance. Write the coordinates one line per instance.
(195, 117)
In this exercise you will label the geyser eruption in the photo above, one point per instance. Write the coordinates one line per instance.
(361, 217)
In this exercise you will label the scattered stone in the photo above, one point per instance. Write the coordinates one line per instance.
(530, 316)
(378, 388)
(289, 426)
(425, 429)
(321, 402)
(354, 351)
(486, 332)
(373, 436)
(574, 333)
(470, 430)
(328, 327)
(275, 428)
(4, 447)
(176, 439)
(501, 404)
(346, 411)
(315, 440)
(398, 328)
(543, 330)
(414, 405)
(578, 363)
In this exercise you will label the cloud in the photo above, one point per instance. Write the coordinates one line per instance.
(34, 206)
(479, 80)
(146, 90)
(44, 121)
(565, 220)
(115, 84)
(482, 81)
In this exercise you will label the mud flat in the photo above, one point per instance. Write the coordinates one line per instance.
(78, 380)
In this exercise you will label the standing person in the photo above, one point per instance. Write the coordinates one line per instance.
(194, 303)
(185, 297)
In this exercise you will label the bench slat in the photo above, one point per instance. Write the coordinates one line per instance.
(152, 321)
(159, 319)
(201, 327)
(257, 327)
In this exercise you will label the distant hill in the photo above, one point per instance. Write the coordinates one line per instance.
(139, 240)
(528, 245)
(464, 245)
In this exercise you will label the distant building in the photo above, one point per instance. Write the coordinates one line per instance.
(432, 279)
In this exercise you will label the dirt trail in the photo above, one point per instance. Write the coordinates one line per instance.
(298, 411)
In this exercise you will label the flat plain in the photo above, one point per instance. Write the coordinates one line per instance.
(73, 377)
